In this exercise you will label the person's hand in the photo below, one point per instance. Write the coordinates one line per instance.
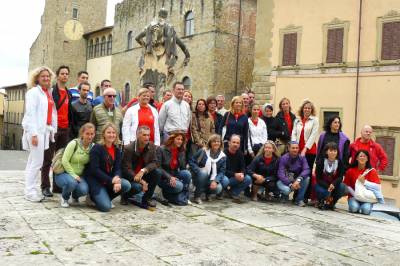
(303, 152)
(34, 141)
(252, 154)
(239, 177)
(145, 186)
(172, 181)
(331, 188)
(138, 176)
(117, 187)
(259, 179)
(78, 178)
(361, 178)
(213, 185)
(296, 185)
(116, 180)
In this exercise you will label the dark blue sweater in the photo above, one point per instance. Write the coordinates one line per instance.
(239, 127)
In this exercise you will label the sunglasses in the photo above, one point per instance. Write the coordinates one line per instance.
(111, 96)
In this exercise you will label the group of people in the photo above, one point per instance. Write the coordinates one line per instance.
(175, 143)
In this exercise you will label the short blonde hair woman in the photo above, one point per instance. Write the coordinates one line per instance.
(39, 124)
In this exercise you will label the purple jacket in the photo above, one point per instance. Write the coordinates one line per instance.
(297, 165)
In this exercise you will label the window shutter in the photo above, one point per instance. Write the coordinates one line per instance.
(334, 53)
(388, 144)
(289, 49)
(391, 41)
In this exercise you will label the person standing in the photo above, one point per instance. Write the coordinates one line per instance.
(39, 124)
(81, 110)
(285, 120)
(83, 76)
(236, 122)
(106, 112)
(258, 134)
(305, 132)
(217, 117)
(104, 84)
(62, 102)
(221, 104)
(175, 114)
(202, 126)
(272, 126)
(246, 102)
(377, 155)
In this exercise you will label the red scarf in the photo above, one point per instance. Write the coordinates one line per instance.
(174, 158)
(50, 104)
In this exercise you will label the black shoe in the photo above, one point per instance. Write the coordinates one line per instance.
(47, 193)
(150, 203)
(124, 201)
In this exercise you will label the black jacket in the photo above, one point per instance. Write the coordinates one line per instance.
(164, 157)
(97, 173)
(81, 114)
(273, 128)
(322, 178)
(259, 167)
(280, 120)
(218, 122)
(235, 163)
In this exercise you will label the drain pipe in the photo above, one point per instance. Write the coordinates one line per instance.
(238, 49)
(358, 69)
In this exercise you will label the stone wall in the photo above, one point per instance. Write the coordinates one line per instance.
(213, 46)
(52, 47)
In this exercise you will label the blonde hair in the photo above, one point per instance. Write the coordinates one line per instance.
(215, 137)
(300, 112)
(234, 99)
(105, 127)
(142, 90)
(269, 142)
(85, 127)
(34, 75)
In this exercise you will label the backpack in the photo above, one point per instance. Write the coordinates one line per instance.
(56, 164)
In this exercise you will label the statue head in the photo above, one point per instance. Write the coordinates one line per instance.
(163, 14)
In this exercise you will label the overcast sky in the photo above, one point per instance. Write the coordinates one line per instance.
(19, 27)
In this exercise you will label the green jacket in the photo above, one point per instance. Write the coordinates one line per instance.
(74, 162)
(101, 115)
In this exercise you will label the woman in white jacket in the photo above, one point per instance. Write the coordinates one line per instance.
(141, 114)
(39, 124)
(258, 134)
(305, 132)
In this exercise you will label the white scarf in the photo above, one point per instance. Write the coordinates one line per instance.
(211, 164)
(330, 169)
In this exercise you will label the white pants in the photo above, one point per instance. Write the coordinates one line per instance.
(35, 162)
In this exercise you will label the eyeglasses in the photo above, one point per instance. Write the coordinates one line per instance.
(111, 96)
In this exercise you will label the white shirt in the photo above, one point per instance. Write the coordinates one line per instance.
(175, 115)
(131, 123)
(222, 111)
(258, 134)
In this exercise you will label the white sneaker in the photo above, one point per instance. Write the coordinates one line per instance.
(34, 198)
(64, 203)
(89, 202)
(112, 206)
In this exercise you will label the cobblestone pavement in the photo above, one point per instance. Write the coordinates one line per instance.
(215, 233)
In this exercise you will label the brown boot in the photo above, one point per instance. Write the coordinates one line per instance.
(254, 192)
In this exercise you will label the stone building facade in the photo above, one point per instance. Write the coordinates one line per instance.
(60, 41)
(13, 114)
(209, 29)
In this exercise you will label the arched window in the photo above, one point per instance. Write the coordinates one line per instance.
(127, 92)
(130, 40)
(103, 46)
(96, 48)
(189, 23)
(109, 44)
(187, 83)
(90, 49)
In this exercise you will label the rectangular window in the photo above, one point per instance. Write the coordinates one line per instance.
(334, 53)
(388, 144)
(289, 49)
(329, 114)
(74, 13)
(391, 41)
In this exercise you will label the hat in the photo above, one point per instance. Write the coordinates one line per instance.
(269, 105)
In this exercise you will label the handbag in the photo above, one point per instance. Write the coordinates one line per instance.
(56, 164)
(363, 194)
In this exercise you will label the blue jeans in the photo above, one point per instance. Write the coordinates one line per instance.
(184, 178)
(337, 193)
(202, 183)
(236, 187)
(356, 206)
(285, 190)
(70, 185)
(106, 195)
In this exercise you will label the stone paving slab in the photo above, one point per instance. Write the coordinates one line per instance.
(215, 233)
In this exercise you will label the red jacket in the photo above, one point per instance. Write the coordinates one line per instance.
(377, 156)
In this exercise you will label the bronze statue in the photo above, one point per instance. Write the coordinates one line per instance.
(160, 53)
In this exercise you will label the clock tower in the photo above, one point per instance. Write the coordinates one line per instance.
(60, 41)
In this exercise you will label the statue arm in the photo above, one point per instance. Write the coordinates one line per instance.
(139, 38)
(184, 49)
